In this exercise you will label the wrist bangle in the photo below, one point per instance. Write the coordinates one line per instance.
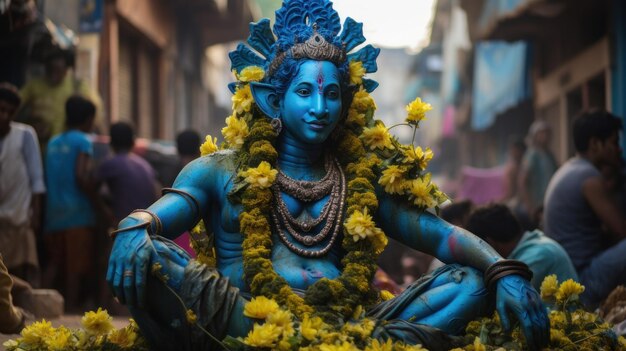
(114, 233)
(503, 268)
(155, 227)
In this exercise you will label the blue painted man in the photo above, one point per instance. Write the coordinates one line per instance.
(284, 204)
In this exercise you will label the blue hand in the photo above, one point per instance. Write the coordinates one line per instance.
(516, 295)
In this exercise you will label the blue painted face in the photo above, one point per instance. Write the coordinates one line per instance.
(311, 106)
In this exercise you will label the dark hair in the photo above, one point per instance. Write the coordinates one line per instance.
(10, 94)
(188, 143)
(494, 221)
(78, 110)
(456, 212)
(518, 144)
(595, 123)
(122, 136)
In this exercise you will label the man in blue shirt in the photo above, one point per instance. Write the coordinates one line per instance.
(70, 205)
(499, 228)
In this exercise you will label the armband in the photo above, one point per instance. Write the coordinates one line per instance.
(503, 268)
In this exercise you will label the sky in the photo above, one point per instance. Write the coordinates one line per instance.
(391, 23)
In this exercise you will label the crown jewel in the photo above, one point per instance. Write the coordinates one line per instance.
(315, 48)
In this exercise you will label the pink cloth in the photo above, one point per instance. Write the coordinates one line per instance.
(185, 242)
(482, 185)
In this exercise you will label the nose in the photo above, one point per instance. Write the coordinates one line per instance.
(318, 107)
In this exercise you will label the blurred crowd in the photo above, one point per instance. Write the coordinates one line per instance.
(60, 193)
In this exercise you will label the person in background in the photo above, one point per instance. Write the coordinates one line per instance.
(537, 168)
(130, 179)
(497, 225)
(21, 186)
(188, 145)
(578, 206)
(43, 99)
(71, 203)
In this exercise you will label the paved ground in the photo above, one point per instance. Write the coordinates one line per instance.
(70, 321)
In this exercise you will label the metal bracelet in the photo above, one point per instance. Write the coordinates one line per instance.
(186, 195)
(156, 226)
(114, 233)
(503, 268)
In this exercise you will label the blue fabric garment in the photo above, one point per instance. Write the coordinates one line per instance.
(544, 256)
(66, 205)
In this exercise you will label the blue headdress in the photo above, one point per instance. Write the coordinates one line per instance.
(305, 29)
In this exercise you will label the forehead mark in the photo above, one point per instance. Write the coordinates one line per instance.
(320, 78)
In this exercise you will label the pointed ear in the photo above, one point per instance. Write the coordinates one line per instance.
(266, 98)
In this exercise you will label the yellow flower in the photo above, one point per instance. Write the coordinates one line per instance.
(310, 327)
(380, 346)
(379, 241)
(36, 333)
(355, 117)
(558, 336)
(345, 346)
(357, 71)
(261, 177)
(235, 132)
(478, 346)
(377, 137)
(419, 156)
(420, 192)
(242, 99)
(569, 290)
(362, 101)
(386, 295)
(264, 335)
(59, 340)
(361, 225)
(364, 328)
(209, 146)
(404, 347)
(260, 307)
(284, 345)
(251, 74)
(282, 319)
(417, 111)
(392, 180)
(124, 338)
(549, 286)
(98, 323)
(191, 317)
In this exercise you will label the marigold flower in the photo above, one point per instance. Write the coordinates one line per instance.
(357, 71)
(379, 241)
(282, 319)
(345, 346)
(97, 323)
(377, 137)
(235, 132)
(124, 338)
(59, 340)
(361, 225)
(549, 286)
(209, 146)
(420, 189)
(36, 333)
(478, 346)
(392, 179)
(260, 307)
(386, 295)
(569, 290)
(355, 117)
(417, 111)
(363, 328)
(265, 335)
(191, 317)
(380, 346)
(362, 101)
(310, 327)
(260, 177)
(242, 99)
(419, 156)
(251, 74)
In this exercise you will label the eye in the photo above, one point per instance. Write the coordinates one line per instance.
(333, 94)
(303, 92)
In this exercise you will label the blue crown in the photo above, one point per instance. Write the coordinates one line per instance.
(305, 29)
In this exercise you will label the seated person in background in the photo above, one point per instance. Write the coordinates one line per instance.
(578, 205)
(499, 228)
